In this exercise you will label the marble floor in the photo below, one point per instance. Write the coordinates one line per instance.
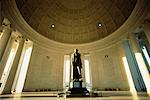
(103, 95)
(84, 98)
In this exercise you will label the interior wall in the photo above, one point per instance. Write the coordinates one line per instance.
(107, 69)
(45, 70)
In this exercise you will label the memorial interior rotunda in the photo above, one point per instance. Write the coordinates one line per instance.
(38, 38)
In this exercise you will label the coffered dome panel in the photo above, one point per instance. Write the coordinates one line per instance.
(75, 21)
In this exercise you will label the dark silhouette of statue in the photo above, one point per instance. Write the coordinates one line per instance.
(77, 65)
(77, 89)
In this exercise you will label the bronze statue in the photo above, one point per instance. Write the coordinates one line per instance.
(77, 89)
(77, 65)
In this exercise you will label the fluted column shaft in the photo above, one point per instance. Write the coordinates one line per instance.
(6, 54)
(6, 32)
(11, 77)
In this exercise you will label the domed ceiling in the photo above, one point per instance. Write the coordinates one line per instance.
(75, 21)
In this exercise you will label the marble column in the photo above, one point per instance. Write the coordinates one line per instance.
(83, 71)
(11, 82)
(0, 13)
(6, 54)
(143, 70)
(6, 32)
(71, 72)
(22, 67)
(131, 47)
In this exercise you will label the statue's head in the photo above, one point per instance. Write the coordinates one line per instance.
(75, 50)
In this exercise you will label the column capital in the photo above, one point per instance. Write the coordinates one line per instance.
(6, 26)
(6, 22)
(132, 38)
(20, 38)
(146, 23)
(146, 28)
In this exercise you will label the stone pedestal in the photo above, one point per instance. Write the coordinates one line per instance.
(77, 90)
